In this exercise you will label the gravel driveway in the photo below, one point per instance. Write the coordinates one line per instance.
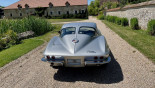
(128, 69)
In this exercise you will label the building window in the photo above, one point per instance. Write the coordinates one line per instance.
(10, 14)
(76, 12)
(20, 14)
(26, 6)
(59, 12)
(19, 6)
(82, 11)
(51, 13)
(50, 5)
(67, 12)
(67, 4)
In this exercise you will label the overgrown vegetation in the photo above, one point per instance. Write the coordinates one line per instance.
(151, 27)
(37, 25)
(131, 1)
(134, 23)
(95, 7)
(26, 45)
(8, 39)
(109, 5)
(9, 28)
(137, 38)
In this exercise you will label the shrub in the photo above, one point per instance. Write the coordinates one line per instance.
(2, 43)
(101, 17)
(151, 27)
(8, 39)
(124, 22)
(38, 25)
(11, 38)
(134, 23)
(111, 18)
(118, 21)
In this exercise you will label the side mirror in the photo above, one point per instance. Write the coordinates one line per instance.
(59, 32)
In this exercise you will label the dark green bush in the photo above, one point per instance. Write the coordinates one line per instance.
(118, 21)
(151, 27)
(124, 22)
(111, 18)
(101, 17)
(134, 23)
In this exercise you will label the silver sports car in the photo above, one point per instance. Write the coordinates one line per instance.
(78, 45)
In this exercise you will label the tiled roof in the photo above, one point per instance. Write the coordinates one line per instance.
(45, 3)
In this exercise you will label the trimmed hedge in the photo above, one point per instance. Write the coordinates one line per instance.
(124, 22)
(111, 18)
(134, 23)
(151, 27)
(118, 21)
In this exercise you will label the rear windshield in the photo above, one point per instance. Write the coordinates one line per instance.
(67, 31)
(87, 30)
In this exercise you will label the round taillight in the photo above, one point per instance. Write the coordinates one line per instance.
(48, 58)
(95, 57)
(101, 57)
(53, 57)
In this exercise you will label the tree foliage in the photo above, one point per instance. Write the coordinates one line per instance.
(93, 8)
(40, 11)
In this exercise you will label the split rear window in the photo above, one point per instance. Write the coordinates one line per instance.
(68, 30)
(87, 30)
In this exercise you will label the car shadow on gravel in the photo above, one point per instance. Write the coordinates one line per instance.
(106, 74)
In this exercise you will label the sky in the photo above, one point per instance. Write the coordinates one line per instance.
(9, 2)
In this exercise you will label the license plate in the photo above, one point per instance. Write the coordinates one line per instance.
(74, 61)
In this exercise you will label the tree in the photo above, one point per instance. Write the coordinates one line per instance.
(93, 8)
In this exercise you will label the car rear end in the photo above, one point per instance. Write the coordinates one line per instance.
(76, 61)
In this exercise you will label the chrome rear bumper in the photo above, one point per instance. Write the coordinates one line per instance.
(61, 62)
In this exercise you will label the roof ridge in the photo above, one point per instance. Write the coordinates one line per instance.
(45, 3)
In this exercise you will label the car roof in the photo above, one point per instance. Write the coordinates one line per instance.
(80, 24)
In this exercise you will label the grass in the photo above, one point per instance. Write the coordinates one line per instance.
(63, 20)
(16, 51)
(137, 38)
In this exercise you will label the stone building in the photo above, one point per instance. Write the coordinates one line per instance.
(1, 12)
(24, 8)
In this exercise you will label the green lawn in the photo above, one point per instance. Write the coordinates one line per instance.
(27, 45)
(64, 20)
(137, 38)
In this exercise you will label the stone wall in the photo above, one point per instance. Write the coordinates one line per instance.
(143, 11)
(15, 13)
